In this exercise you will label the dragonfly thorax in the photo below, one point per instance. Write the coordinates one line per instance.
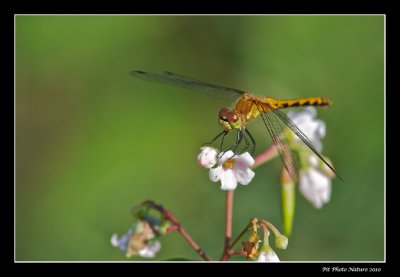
(229, 120)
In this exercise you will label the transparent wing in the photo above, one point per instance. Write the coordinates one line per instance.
(169, 78)
(288, 122)
(182, 77)
(276, 129)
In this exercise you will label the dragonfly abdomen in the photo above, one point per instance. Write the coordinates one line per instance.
(300, 102)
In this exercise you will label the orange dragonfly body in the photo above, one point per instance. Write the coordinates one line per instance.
(247, 108)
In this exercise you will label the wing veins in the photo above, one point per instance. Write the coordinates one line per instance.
(279, 139)
(285, 119)
(178, 80)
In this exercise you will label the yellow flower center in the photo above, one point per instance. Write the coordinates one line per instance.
(229, 164)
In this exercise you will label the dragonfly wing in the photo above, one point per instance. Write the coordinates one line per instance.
(276, 129)
(178, 80)
(180, 76)
(288, 122)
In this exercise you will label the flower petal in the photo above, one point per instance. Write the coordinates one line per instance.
(245, 159)
(321, 129)
(268, 257)
(114, 240)
(315, 186)
(121, 243)
(311, 111)
(150, 250)
(228, 180)
(313, 160)
(244, 176)
(207, 158)
(304, 116)
(313, 128)
(216, 173)
(224, 156)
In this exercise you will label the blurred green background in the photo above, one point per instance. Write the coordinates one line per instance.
(91, 141)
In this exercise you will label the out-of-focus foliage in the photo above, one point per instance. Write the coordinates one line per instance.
(91, 141)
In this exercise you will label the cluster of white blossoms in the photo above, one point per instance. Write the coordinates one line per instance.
(315, 177)
(227, 167)
(138, 241)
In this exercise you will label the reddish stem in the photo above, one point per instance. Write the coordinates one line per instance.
(238, 252)
(178, 227)
(228, 225)
(239, 237)
(265, 156)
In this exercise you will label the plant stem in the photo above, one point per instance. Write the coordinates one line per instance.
(179, 228)
(238, 252)
(228, 225)
(265, 156)
(273, 228)
(240, 236)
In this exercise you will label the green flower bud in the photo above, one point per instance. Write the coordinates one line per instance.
(281, 241)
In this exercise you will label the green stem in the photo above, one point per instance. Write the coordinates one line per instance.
(276, 232)
(266, 234)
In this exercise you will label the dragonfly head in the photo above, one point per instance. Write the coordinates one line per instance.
(229, 120)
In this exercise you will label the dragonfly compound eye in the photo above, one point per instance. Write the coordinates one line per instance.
(223, 113)
(232, 117)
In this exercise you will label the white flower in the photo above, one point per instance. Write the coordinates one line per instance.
(268, 256)
(232, 169)
(150, 250)
(139, 240)
(315, 184)
(122, 243)
(314, 176)
(207, 157)
(314, 129)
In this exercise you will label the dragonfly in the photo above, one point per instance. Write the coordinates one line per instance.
(247, 108)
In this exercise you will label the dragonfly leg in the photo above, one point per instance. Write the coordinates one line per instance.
(252, 141)
(247, 144)
(214, 139)
(222, 140)
(239, 137)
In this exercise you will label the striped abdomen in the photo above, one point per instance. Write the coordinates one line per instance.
(300, 102)
(249, 107)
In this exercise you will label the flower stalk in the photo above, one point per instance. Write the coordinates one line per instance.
(228, 225)
(178, 227)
